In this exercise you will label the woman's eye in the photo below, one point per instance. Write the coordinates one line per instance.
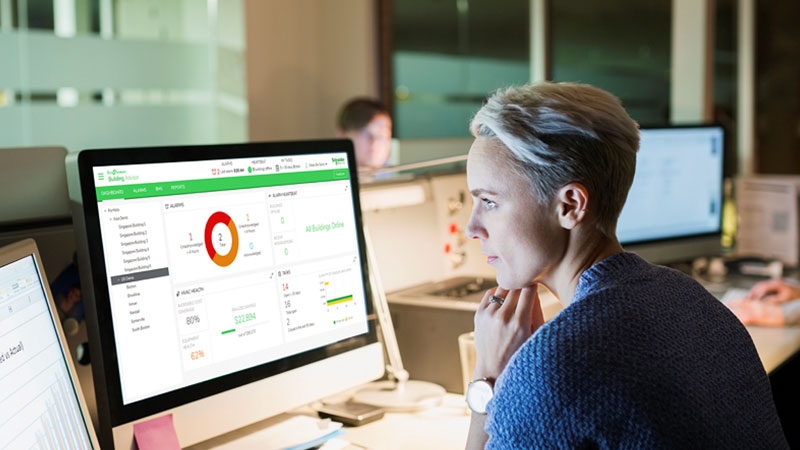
(488, 204)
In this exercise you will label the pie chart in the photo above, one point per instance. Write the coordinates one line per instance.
(221, 239)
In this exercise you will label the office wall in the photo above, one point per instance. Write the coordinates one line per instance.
(304, 59)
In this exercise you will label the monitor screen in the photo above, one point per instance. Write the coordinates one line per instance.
(41, 405)
(674, 208)
(228, 281)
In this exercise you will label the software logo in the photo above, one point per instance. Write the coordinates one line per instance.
(116, 175)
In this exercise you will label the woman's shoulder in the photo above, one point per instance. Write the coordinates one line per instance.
(562, 338)
(628, 274)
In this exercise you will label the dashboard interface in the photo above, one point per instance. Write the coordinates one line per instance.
(215, 266)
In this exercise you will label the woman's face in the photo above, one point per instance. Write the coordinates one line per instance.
(373, 142)
(521, 238)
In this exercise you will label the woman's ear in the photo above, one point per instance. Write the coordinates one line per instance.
(573, 205)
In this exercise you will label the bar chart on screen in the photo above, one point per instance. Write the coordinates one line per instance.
(48, 420)
(39, 406)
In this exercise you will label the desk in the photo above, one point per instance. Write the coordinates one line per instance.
(775, 345)
(441, 428)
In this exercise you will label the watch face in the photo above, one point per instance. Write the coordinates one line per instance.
(479, 393)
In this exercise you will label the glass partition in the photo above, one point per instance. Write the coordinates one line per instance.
(622, 47)
(447, 56)
(121, 73)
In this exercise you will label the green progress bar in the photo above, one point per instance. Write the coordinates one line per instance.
(336, 301)
(229, 331)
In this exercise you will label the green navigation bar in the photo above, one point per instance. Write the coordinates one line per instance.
(144, 190)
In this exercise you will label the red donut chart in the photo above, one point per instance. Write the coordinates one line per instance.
(224, 219)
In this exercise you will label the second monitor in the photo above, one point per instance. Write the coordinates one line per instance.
(674, 208)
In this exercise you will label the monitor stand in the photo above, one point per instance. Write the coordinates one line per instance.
(401, 395)
(398, 393)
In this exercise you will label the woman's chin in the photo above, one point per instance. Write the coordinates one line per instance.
(507, 284)
(510, 284)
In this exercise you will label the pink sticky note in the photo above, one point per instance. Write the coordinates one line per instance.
(156, 434)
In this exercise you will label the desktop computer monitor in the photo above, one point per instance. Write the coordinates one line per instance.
(224, 283)
(674, 208)
(36, 174)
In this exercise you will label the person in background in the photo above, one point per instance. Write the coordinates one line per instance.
(773, 303)
(641, 356)
(368, 124)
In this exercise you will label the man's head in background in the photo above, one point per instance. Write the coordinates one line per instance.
(368, 124)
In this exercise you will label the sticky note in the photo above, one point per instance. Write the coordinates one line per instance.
(156, 434)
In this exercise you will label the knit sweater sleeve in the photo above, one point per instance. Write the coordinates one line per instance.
(554, 394)
(521, 414)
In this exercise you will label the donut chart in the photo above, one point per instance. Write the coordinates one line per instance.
(219, 258)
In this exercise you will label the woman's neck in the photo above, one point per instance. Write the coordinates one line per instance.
(583, 250)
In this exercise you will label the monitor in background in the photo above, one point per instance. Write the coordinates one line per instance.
(41, 403)
(35, 203)
(226, 283)
(674, 208)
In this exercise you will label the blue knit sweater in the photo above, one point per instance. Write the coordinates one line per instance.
(643, 358)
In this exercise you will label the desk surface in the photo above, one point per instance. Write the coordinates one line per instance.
(440, 428)
(775, 345)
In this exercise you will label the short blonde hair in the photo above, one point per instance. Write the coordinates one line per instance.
(559, 133)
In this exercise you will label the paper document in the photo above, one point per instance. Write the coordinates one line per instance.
(768, 218)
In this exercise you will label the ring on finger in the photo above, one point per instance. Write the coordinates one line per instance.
(496, 299)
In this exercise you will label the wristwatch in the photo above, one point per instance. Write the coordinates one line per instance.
(479, 392)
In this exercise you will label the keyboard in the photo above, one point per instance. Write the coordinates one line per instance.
(734, 294)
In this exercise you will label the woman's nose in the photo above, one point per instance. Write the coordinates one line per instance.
(474, 230)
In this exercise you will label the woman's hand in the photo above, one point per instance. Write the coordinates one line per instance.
(502, 328)
(774, 291)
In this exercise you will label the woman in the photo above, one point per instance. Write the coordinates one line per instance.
(641, 356)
